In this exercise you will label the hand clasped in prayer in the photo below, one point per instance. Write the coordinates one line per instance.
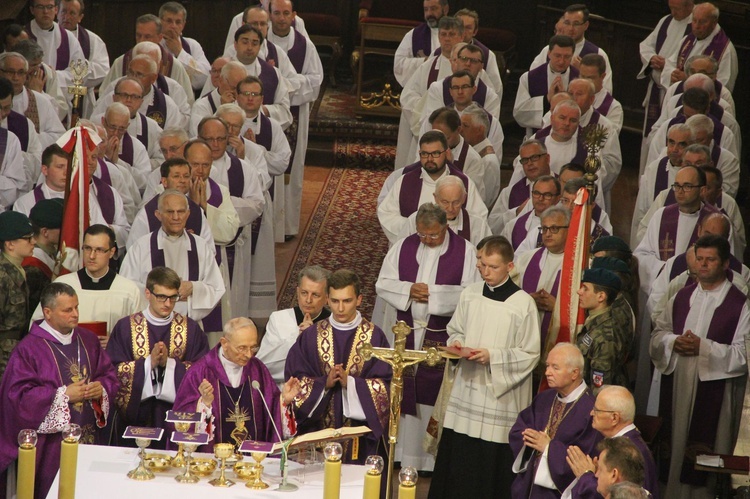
(537, 440)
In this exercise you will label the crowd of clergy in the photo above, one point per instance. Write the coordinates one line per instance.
(199, 172)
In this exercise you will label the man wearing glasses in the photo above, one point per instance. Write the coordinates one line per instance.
(120, 147)
(152, 350)
(673, 228)
(225, 92)
(545, 192)
(421, 279)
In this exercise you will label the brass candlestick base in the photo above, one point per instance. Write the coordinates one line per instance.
(187, 476)
(141, 473)
(257, 483)
(222, 452)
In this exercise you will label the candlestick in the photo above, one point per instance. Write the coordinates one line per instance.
(373, 477)
(407, 478)
(26, 464)
(332, 475)
(69, 461)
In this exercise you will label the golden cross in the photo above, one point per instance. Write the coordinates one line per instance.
(398, 358)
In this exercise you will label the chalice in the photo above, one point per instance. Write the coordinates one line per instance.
(141, 473)
(187, 476)
(179, 461)
(222, 452)
(258, 483)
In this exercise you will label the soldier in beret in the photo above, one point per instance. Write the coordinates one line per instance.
(46, 218)
(600, 342)
(16, 243)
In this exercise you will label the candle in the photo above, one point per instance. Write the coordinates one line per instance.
(332, 476)
(69, 462)
(26, 464)
(372, 477)
(407, 488)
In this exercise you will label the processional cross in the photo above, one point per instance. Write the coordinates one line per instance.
(398, 358)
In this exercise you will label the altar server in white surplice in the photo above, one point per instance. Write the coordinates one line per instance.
(422, 278)
(190, 256)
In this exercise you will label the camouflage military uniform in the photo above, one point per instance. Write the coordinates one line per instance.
(14, 308)
(605, 345)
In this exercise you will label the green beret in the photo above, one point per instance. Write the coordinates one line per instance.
(14, 225)
(610, 263)
(610, 243)
(47, 213)
(602, 277)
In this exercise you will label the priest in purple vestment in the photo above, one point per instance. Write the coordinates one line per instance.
(152, 350)
(57, 375)
(338, 388)
(234, 392)
(556, 419)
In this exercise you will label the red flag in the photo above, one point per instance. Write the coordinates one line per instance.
(78, 142)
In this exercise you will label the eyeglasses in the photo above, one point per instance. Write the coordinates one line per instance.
(245, 349)
(10, 72)
(27, 238)
(125, 96)
(575, 24)
(433, 154)
(431, 237)
(530, 159)
(44, 7)
(251, 94)
(603, 410)
(95, 251)
(163, 298)
(552, 229)
(544, 195)
(460, 87)
(472, 60)
(685, 187)
(215, 71)
(171, 149)
(117, 129)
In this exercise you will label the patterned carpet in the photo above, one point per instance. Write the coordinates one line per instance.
(344, 232)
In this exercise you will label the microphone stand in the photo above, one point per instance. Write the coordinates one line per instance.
(284, 486)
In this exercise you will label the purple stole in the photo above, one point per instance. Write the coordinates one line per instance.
(106, 199)
(265, 136)
(530, 284)
(595, 115)
(85, 40)
(270, 81)
(411, 187)
(167, 60)
(143, 136)
(518, 193)
(465, 232)
(519, 230)
(157, 111)
(716, 153)
(715, 49)
(662, 181)
(3, 143)
(157, 256)
(162, 84)
(212, 321)
(38, 194)
(421, 40)
(588, 48)
(485, 52)
(668, 229)
(105, 176)
(434, 70)
(194, 221)
(480, 96)
(679, 265)
(19, 125)
(459, 162)
(298, 52)
(606, 104)
(63, 50)
(537, 81)
(422, 387)
(185, 46)
(211, 102)
(703, 424)
(272, 53)
(236, 177)
(581, 153)
(127, 149)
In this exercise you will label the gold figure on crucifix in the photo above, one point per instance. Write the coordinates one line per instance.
(238, 416)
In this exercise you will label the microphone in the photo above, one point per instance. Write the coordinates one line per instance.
(256, 386)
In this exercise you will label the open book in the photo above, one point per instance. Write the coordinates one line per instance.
(327, 435)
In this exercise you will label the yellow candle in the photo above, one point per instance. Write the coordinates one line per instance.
(68, 464)
(332, 480)
(372, 486)
(407, 491)
(26, 471)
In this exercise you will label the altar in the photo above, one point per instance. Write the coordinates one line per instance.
(102, 472)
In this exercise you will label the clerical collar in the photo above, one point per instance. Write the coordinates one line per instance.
(234, 371)
(574, 395)
(626, 429)
(502, 291)
(349, 325)
(65, 339)
(157, 321)
(299, 316)
(102, 283)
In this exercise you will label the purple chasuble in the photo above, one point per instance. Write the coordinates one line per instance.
(38, 367)
(423, 386)
(668, 229)
(703, 424)
(411, 186)
(421, 40)
(19, 125)
(257, 422)
(157, 256)
(310, 359)
(130, 344)
(574, 429)
(530, 284)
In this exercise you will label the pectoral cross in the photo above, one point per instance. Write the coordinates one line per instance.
(398, 358)
(666, 248)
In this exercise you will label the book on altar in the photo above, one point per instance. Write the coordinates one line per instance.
(326, 435)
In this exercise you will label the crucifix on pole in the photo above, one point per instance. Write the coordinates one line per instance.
(398, 358)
